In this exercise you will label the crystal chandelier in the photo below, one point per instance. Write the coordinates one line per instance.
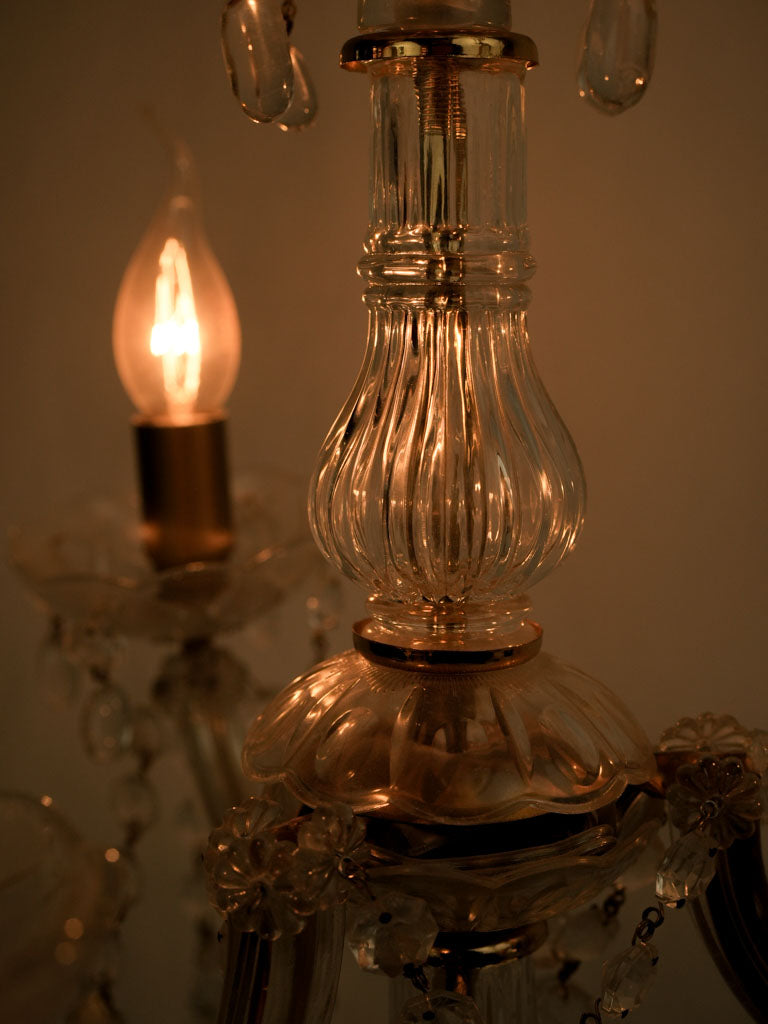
(463, 811)
(446, 785)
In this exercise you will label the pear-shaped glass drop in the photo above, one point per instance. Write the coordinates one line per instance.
(618, 54)
(302, 109)
(258, 60)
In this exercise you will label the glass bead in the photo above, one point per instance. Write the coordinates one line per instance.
(135, 802)
(390, 931)
(627, 978)
(149, 734)
(205, 679)
(722, 791)
(303, 877)
(95, 1007)
(440, 1008)
(324, 605)
(585, 935)
(302, 109)
(122, 887)
(334, 830)
(106, 724)
(687, 868)
(257, 57)
(61, 679)
(618, 53)
(719, 734)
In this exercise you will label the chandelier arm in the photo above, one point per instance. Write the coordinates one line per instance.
(733, 921)
(292, 979)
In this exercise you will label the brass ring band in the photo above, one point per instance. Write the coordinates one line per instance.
(442, 659)
(362, 50)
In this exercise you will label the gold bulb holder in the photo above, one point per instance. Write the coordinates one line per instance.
(184, 481)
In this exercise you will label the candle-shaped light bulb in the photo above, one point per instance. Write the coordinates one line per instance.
(176, 331)
(176, 339)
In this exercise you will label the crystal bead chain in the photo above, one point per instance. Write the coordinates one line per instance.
(627, 976)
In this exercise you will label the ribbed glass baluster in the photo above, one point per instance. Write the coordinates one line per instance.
(448, 476)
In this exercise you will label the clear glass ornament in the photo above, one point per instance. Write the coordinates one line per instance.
(135, 802)
(586, 935)
(122, 886)
(531, 737)
(721, 792)
(687, 868)
(626, 979)
(324, 603)
(61, 679)
(302, 110)
(308, 880)
(390, 931)
(440, 1008)
(618, 53)
(106, 724)
(95, 1007)
(331, 830)
(202, 678)
(257, 57)
(149, 734)
(448, 482)
(50, 896)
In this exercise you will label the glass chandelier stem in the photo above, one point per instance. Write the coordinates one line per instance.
(448, 484)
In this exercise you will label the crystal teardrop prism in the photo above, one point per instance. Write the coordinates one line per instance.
(257, 57)
(302, 109)
(618, 53)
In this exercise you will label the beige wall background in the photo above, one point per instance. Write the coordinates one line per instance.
(648, 324)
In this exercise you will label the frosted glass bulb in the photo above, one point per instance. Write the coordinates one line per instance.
(176, 334)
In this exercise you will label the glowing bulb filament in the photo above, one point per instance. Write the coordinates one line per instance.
(175, 335)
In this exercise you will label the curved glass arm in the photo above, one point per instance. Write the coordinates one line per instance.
(293, 979)
(733, 921)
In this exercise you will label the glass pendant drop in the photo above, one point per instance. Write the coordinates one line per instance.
(258, 60)
(302, 109)
(618, 53)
